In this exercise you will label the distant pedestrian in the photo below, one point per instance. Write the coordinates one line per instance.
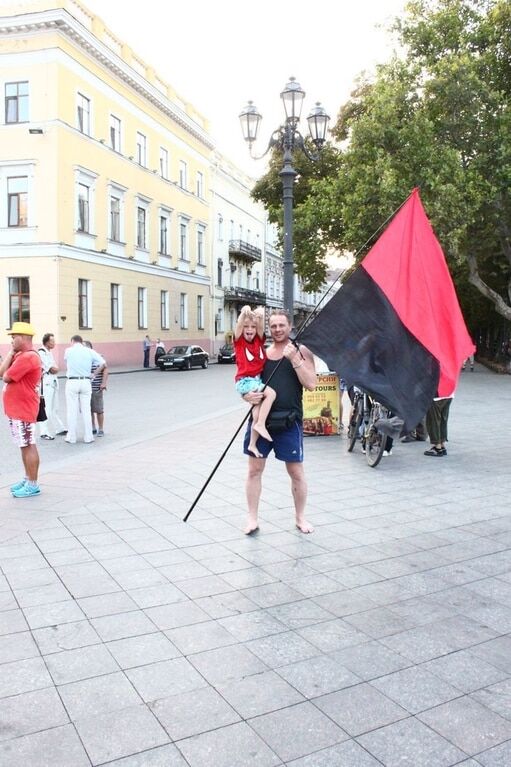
(99, 379)
(21, 372)
(160, 349)
(53, 425)
(470, 361)
(436, 424)
(79, 361)
(147, 349)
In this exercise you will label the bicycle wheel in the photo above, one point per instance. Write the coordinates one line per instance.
(375, 440)
(354, 424)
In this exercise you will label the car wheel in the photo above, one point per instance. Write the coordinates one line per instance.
(187, 365)
(205, 363)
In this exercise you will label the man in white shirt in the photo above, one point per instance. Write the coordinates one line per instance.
(50, 390)
(79, 360)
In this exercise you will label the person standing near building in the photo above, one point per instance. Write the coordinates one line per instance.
(79, 360)
(147, 349)
(99, 379)
(50, 390)
(21, 373)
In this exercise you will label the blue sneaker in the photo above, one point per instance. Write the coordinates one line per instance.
(26, 491)
(18, 485)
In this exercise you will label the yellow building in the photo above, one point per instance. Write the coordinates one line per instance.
(104, 188)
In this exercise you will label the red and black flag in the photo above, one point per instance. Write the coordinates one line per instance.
(395, 328)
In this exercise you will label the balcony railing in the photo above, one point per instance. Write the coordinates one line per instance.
(242, 249)
(245, 295)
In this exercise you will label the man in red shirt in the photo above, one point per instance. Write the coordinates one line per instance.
(21, 373)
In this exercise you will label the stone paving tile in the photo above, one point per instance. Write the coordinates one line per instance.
(17, 647)
(281, 649)
(469, 725)
(200, 637)
(465, 670)
(500, 756)
(272, 594)
(23, 676)
(58, 747)
(179, 614)
(53, 614)
(165, 678)
(12, 622)
(318, 676)
(82, 663)
(416, 689)
(101, 694)
(259, 694)
(497, 652)
(360, 708)
(31, 712)
(123, 625)
(224, 605)
(297, 730)
(370, 660)
(114, 734)
(162, 756)
(346, 754)
(227, 663)
(142, 650)
(409, 743)
(252, 625)
(299, 614)
(497, 697)
(193, 713)
(234, 746)
(106, 604)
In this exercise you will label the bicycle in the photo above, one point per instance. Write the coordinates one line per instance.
(367, 410)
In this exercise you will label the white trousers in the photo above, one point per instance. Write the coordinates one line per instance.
(51, 402)
(78, 394)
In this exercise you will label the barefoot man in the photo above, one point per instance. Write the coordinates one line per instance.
(295, 372)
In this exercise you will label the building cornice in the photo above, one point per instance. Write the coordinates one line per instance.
(59, 250)
(63, 22)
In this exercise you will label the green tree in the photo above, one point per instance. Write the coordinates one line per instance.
(438, 117)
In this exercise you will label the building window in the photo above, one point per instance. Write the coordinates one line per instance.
(200, 246)
(183, 240)
(200, 312)
(164, 163)
(115, 133)
(220, 227)
(84, 304)
(19, 300)
(83, 114)
(16, 102)
(231, 230)
(141, 149)
(182, 174)
(200, 185)
(115, 305)
(142, 308)
(83, 209)
(141, 228)
(164, 235)
(219, 268)
(115, 219)
(17, 198)
(164, 309)
(183, 311)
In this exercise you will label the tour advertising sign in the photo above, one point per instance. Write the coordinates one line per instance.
(321, 407)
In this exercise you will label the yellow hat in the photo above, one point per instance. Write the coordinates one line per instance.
(21, 329)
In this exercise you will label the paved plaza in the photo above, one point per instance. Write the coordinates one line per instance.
(131, 639)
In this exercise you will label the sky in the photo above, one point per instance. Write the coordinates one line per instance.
(218, 54)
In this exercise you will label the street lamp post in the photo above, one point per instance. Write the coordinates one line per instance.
(287, 138)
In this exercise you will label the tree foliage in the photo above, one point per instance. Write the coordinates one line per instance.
(437, 117)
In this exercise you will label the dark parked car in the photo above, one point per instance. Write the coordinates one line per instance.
(183, 358)
(226, 354)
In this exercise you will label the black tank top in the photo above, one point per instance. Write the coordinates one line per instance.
(286, 384)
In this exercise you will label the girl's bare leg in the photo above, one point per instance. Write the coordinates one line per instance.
(259, 422)
(254, 433)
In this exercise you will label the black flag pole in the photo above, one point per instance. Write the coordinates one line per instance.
(294, 340)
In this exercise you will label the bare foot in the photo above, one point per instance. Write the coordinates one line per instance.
(262, 431)
(304, 526)
(252, 449)
(251, 527)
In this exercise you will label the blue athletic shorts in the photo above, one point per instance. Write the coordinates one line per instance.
(248, 384)
(287, 445)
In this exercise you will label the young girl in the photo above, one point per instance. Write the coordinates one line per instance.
(250, 359)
